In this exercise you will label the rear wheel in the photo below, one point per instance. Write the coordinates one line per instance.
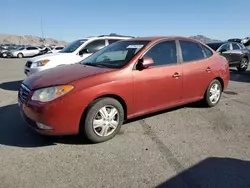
(213, 93)
(20, 55)
(103, 120)
(243, 64)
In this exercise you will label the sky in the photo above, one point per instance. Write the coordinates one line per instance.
(70, 20)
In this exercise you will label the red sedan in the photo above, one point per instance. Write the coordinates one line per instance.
(127, 79)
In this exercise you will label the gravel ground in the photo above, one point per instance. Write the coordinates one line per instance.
(190, 146)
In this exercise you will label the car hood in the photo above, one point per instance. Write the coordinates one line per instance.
(62, 75)
(50, 56)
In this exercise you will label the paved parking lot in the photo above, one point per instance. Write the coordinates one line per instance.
(190, 146)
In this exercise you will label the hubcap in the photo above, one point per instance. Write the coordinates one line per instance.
(214, 94)
(244, 63)
(106, 121)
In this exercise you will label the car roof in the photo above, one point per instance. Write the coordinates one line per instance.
(159, 38)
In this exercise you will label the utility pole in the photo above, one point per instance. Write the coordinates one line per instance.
(42, 29)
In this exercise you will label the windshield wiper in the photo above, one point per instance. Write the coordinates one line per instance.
(95, 65)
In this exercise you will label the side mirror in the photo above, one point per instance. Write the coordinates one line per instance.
(84, 51)
(145, 63)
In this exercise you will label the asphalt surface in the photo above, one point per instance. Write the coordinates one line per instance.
(190, 146)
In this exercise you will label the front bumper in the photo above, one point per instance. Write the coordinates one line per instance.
(62, 117)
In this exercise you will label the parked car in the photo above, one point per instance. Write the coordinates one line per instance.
(236, 53)
(127, 79)
(6, 50)
(26, 51)
(246, 41)
(57, 49)
(45, 50)
(72, 53)
(234, 40)
(3, 52)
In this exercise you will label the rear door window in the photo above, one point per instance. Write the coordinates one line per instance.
(235, 46)
(207, 51)
(191, 51)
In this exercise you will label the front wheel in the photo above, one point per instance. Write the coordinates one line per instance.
(4, 55)
(103, 120)
(243, 64)
(213, 93)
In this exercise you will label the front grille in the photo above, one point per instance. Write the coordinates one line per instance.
(28, 64)
(23, 93)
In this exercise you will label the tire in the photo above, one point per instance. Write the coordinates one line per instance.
(96, 135)
(4, 55)
(20, 55)
(243, 64)
(211, 102)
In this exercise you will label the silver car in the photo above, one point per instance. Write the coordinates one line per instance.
(27, 51)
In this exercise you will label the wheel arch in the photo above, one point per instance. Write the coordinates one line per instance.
(114, 96)
(245, 56)
(221, 82)
(20, 53)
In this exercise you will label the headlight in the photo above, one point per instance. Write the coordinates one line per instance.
(40, 63)
(51, 93)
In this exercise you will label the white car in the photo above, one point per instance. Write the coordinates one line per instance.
(27, 51)
(72, 53)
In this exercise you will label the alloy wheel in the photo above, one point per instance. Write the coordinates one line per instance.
(106, 121)
(214, 93)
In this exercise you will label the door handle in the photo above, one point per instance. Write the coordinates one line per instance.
(208, 69)
(176, 75)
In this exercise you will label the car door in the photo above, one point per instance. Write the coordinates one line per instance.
(27, 52)
(31, 51)
(236, 54)
(159, 86)
(226, 51)
(91, 48)
(196, 70)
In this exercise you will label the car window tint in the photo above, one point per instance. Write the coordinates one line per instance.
(59, 48)
(113, 56)
(207, 51)
(225, 47)
(242, 46)
(191, 51)
(111, 41)
(95, 46)
(163, 53)
(235, 46)
(32, 48)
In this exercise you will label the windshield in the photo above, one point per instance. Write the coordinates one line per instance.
(214, 46)
(20, 48)
(73, 46)
(115, 55)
